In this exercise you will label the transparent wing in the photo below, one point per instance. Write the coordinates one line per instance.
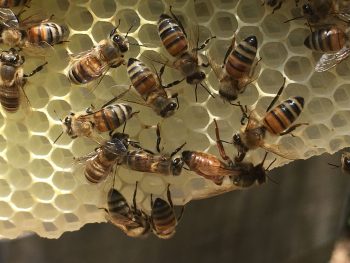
(217, 69)
(330, 60)
(280, 151)
(8, 18)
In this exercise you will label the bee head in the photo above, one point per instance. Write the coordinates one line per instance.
(196, 78)
(168, 110)
(12, 57)
(345, 161)
(119, 41)
(67, 125)
(177, 165)
(259, 172)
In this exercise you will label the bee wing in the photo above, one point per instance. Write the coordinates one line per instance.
(158, 58)
(344, 14)
(83, 159)
(32, 20)
(8, 18)
(280, 151)
(217, 69)
(80, 55)
(330, 60)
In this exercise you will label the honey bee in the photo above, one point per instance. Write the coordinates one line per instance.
(345, 162)
(333, 41)
(99, 164)
(132, 221)
(13, 3)
(238, 68)
(29, 33)
(108, 118)
(163, 218)
(174, 39)
(278, 121)
(93, 64)
(277, 4)
(149, 86)
(13, 79)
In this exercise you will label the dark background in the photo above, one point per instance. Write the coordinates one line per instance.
(296, 220)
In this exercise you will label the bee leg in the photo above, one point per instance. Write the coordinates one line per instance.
(152, 201)
(176, 96)
(277, 7)
(138, 146)
(159, 138)
(168, 194)
(37, 69)
(205, 43)
(229, 50)
(277, 96)
(176, 82)
(240, 157)
(220, 145)
(292, 128)
(181, 214)
(207, 90)
(177, 149)
(251, 73)
(244, 111)
(177, 20)
(134, 197)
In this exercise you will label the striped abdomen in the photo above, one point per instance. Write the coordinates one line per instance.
(117, 205)
(241, 59)
(172, 36)
(326, 40)
(111, 117)
(163, 218)
(282, 116)
(98, 167)
(10, 97)
(50, 33)
(12, 3)
(85, 70)
(142, 161)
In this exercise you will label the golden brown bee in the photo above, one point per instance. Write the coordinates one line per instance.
(13, 79)
(278, 121)
(13, 3)
(174, 39)
(333, 41)
(238, 68)
(132, 221)
(106, 119)
(29, 33)
(149, 86)
(100, 163)
(163, 218)
(93, 64)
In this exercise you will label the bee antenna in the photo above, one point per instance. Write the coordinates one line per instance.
(117, 25)
(334, 165)
(270, 164)
(59, 136)
(262, 163)
(294, 18)
(129, 31)
(57, 115)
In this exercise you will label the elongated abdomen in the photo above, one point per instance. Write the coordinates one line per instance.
(282, 116)
(85, 70)
(326, 40)
(163, 217)
(50, 33)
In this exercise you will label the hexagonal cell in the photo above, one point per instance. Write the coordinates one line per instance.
(295, 89)
(342, 95)
(104, 8)
(274, 27)
(336, 143)
(196, 117)
(62, 157)
(295, 40)
(8, 229)
(197, 141)
(16, 132)
(270, 81)
(323, 83)
(24, 220)
(80, 43)
(153, 184)
(101, 30)
(316, 132)
(5, 188)
(57, 85)
(66, 202)
(19, 178)
(18, 156)
(5, 210)
(64, 181)
(173, 130)
(127, 2)
(341, 120)
(87, 194)
(79, 19)
(60, 106)
(298, 68)
(22, 199)
(40, 168)
(42, 191)
(343, 68)
(81, 98)
(148, 34)
(3, 143)
(129, 176)
(37, 122)
(272, 58)
(250, 11)
(203, 10)
(224, 24)
(130, 21)
(59, 8)
(38, 96)
(225, 4)
(39, 145)
(45, 212)
(225, 129)
(320, 108)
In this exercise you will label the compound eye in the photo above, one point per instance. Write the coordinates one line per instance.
(116, 38)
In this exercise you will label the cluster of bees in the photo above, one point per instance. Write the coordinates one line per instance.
(234, 74)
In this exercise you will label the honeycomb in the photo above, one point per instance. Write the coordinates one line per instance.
(42, 190)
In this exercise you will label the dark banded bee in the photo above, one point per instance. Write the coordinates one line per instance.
(149, 86)
(332, 41)
(93, 64)
(99, 164)
(163, 218)
(13, 3)
(30, 34)
(174, 39)
(132, 221)
(238, 68)
(278, 121)
(13, 79)
(109, 118)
